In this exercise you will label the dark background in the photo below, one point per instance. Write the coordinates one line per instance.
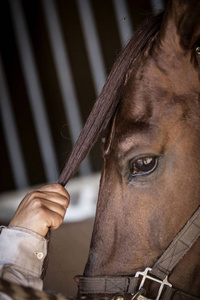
(69, 18)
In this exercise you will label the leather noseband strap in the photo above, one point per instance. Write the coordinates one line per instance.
(161, 269)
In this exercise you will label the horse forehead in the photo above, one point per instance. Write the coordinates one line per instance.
(156, 117)
(146, 111)
(153, 92)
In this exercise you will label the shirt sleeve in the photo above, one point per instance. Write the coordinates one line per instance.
(22, 253)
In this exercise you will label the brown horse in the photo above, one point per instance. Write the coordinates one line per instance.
(150, 184)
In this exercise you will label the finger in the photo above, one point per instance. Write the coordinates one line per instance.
(53, 221)
(50, 196)
(41, 217)
(55, 207)
(56, 187)
(48, 219)
(39, 208)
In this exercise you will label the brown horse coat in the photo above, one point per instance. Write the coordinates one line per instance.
(150, 179)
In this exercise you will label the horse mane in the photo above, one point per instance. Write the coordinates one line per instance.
(109, 98)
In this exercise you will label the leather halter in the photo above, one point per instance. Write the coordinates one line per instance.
(159, 273)
(133, 286)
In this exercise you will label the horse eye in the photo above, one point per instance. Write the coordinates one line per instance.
(143, 165)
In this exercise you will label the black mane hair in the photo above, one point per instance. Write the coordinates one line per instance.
(107, 102)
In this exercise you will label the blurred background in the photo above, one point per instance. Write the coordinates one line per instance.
(55, 56)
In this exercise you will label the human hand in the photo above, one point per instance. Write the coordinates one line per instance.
(42, 209)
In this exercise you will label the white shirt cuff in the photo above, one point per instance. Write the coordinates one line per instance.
(23, 248)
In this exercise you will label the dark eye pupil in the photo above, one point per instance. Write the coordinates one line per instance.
(144, 165)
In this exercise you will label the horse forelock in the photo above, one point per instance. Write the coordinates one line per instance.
(138, 48)
(106, 104)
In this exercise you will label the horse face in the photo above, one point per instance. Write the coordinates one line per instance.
(150, 179)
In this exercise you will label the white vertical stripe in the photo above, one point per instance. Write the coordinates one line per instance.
(34, 91)
(64, 75)
(92, 44)
(11, 134)
(157, 5)
(123, 20)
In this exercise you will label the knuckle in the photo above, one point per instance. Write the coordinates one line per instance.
(58, 187)
(61, 190)
(58, 221)
(55, 224)
(37, 201)
(31, 192)
(34, 194)
(42, 214)
(65, 203)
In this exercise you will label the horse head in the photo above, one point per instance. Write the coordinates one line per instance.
(150, 183)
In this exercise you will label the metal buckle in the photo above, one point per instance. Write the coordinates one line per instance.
(146, 276)
(138, 295)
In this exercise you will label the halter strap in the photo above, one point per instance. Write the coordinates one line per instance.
(163, 267)
(108, 285)
(179, 247)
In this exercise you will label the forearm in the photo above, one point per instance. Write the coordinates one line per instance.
(22, 253)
